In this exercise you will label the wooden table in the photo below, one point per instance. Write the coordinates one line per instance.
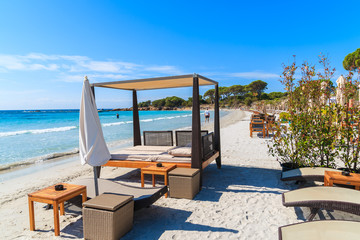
(51, 196)
(332, 177)
(154, 170)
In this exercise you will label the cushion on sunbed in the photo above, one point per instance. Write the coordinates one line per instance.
(180, 152)
(132, 157)
(329, 198)
(321, 193)
(306, 173)
(321, 230)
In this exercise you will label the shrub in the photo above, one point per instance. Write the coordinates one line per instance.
(284, 117)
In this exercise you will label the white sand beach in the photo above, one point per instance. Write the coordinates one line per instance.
(242, 200)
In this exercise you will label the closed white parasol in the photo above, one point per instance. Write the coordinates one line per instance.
(92, 145)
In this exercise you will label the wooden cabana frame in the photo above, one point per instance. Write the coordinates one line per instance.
(191, 80)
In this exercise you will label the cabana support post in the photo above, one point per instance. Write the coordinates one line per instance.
(196, 158)
(217, 126)
(136, 121)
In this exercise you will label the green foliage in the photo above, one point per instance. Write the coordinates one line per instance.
(145, 104)
(174, 101)
(232, 96)
(248, 101)
(210, 95)
(265, 96)
(159, 102)
(352, 61)
(189, 102)
(257, 87)
(274, 95)
(284, 117)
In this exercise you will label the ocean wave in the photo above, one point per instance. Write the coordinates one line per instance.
(40, 159)
(37, 131)
(147, 120)
(113, 124)
(160, 118)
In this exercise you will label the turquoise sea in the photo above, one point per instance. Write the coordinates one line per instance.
(40, 135)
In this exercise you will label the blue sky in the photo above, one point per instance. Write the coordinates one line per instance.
(46, 47)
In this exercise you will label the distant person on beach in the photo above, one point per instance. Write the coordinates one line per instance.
(117, 115)
(207, 115)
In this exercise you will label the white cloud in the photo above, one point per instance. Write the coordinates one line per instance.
(67, 64)
(92, 77)
(253, 75)
(164, 69)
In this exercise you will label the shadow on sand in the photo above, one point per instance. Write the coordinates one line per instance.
(145, 227)
(234, 179)
(240, 180)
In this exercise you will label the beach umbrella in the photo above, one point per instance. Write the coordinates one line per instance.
(340, 95)
(92, 145)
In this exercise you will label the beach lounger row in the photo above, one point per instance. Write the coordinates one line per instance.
(316, 198)
(306, 174)
(263, 124)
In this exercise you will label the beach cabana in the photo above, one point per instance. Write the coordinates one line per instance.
(198, 159)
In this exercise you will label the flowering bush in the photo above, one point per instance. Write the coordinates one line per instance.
(319, 131)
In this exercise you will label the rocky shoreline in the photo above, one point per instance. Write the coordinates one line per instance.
(151, 108)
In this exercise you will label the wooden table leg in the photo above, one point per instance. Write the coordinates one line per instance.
(357, 187)
(166, 183)
(330, 183)
(153, 180)
(142, 179)
(31, 214)
(56, 218)
(62, 210)
(84, 196)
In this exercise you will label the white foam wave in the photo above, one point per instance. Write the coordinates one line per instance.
(38, 159)
(147, 120)
(160, 118)
(37, 131)
(112, 124)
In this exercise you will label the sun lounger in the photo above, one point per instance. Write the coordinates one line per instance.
(257, 125)
(330, 198)
(306, 174)
(321, 230)
(143, 197)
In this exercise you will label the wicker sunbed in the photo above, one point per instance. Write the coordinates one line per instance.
(143, 197)
(142, 156)
(321, 230)
(316, 198)
(306, 174)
